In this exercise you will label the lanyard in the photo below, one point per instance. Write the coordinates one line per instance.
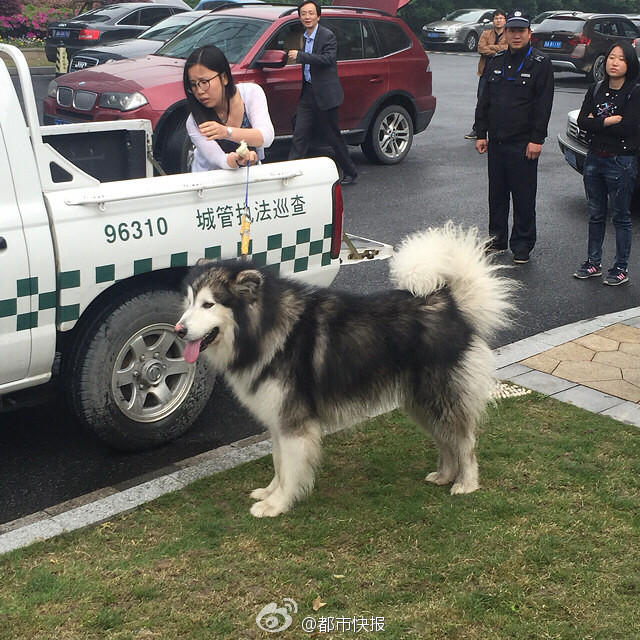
(519, 69)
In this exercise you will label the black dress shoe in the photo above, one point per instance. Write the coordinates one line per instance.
(348, 179)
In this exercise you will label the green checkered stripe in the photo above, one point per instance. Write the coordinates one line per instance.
(32, 306)
(283, 253)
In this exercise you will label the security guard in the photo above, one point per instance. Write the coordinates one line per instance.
(514, 110)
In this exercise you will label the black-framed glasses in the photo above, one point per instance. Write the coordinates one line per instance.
(203, 84)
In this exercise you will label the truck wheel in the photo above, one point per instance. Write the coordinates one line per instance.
(390, 136)
(598, 69)
(178, 153)
(126, 377)
(471, 42)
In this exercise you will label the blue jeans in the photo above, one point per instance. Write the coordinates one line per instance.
(610, 180)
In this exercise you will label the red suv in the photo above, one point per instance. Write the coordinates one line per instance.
(383, 69)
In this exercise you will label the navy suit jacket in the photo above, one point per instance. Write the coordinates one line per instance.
(327, 89)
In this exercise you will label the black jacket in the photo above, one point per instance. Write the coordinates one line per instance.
(324, 70)
(622, 138)
(515, 105)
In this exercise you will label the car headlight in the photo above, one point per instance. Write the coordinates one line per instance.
(122, 101)
(453, 29)
(52, 89)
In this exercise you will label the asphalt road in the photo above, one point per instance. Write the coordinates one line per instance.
(46, 458)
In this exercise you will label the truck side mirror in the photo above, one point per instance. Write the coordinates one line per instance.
(272, 58)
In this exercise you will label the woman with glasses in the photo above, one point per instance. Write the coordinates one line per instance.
(223, 114)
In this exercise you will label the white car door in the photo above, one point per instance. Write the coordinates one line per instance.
(15, 282)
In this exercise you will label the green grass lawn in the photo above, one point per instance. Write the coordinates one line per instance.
(549, 548)
(35, 58)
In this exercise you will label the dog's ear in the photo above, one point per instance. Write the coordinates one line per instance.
(247, 284)
(203, 261)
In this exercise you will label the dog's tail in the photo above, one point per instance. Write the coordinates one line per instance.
(453, 256)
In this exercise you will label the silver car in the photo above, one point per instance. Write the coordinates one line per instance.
(461, 28)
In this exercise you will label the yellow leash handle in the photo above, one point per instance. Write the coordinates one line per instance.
(245, 220)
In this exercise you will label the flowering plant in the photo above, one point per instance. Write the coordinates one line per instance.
(31, 22)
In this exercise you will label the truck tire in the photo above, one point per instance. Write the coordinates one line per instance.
(178, 152)
(126, 379)
(390, 136)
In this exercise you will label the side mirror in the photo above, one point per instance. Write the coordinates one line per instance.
(272, 58)
(486, 21)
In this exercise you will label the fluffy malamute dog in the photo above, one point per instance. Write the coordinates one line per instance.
(299, 357)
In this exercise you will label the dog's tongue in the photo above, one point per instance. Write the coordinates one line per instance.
(192, 351)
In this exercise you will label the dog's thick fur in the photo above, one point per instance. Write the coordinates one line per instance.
(300, 357)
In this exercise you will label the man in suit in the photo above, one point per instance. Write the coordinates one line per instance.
(321, 91)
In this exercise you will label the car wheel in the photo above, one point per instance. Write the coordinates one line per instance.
(390, 136)
(598, 69)
(126, 378)
(178, 152)
(471, 42)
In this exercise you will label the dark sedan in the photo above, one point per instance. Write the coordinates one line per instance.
(146, 43)
(109, 23)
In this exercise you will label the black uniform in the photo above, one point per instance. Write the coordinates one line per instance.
(514, 109)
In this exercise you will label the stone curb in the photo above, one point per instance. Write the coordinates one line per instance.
(108, 502)
(35, 71)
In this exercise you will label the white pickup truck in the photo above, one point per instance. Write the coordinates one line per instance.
(91, 270)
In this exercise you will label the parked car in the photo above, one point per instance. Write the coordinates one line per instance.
(574, 147)
(82, 6)
(383, 68)
(461, 28)
(214, 4)
(147, 42)
(578, 42)
(109, 23)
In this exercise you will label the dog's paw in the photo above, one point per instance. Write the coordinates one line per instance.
(437, 478)
(267, 509)
(464, 487)
(260, 494)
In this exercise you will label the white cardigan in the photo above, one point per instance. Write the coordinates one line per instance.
(208, 153)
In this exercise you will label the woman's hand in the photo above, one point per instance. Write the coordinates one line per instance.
(609, 120)
(235, 160)
(213, 130)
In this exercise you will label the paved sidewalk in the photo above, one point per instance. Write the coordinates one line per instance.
(593, 364)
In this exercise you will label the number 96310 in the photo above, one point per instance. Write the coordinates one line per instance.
(135, 230)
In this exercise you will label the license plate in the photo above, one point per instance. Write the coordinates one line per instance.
(58, 121)
(570, 157)
(61, 33)
(432, 35)
(552, 44)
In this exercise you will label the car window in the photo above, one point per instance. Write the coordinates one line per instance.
(167, 28)
(609, 28)
(369, 41)
(349, 36)
(567, 24)
(627, 29)
(487, 16)
(287, 37)
(154, 14)
(464, 15)
(97, 15)
(391, 37)
(132, 19)
(233, 35)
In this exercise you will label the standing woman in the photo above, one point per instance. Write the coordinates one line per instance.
(222, 113)
(610, 114)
